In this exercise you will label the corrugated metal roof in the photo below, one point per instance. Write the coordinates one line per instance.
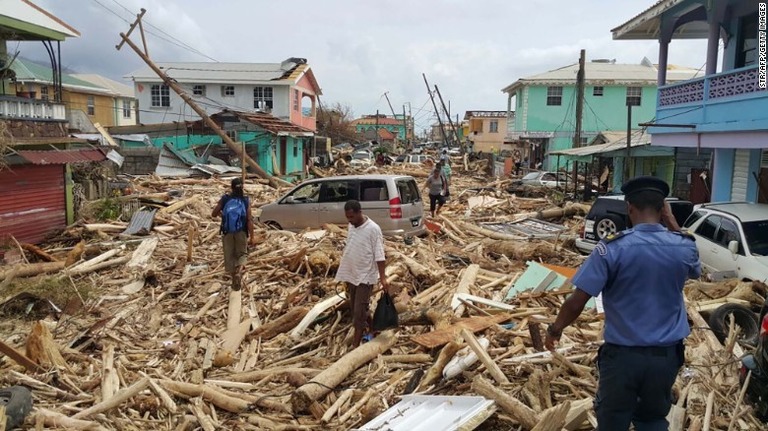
(647, 24)
(606, 73)
(28, 12)
(432, 412)
(141, 223)
(32, 202)
(62, 157)
(231, 73)
(269, 123)
(117, 87)
(613, 141)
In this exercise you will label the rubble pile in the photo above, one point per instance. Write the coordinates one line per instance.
(163, 343)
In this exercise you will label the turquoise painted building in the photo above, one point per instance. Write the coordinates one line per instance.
(371, 123)
(725, 110)
(544, 106)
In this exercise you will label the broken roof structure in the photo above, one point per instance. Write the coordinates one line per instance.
(268, 122)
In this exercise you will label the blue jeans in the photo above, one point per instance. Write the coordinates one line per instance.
(636, 386)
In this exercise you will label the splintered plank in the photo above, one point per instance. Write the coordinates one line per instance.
(437, 338)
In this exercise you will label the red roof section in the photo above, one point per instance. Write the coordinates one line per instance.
(62, 157)
(386, 135)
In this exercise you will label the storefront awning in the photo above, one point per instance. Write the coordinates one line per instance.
(611, 141)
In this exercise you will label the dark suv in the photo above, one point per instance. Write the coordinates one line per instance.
(609, 215)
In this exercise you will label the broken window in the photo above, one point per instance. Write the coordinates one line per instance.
(554, 96)
(91, 106)
(634, 96)
(161, 96)
(228, 90)
(199, 90)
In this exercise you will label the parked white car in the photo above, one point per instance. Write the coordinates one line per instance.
(543, 179)
(732, 237)
(361, 159)
(414, 159)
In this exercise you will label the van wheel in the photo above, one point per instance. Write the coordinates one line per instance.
(273, 225)
(743, 317)
(18, 403)
(607, 225)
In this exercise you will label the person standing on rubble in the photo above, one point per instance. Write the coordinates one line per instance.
(640, 273)
(436, 186)
(236, 229)
(363, 263)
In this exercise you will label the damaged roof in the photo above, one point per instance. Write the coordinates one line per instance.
(284, 73)
(269, 123)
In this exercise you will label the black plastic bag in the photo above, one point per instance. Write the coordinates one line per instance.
(385, 316)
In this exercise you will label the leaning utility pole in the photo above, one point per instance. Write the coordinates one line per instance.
(448, 115)
(579, 114)
(240, 151)
(434, 105)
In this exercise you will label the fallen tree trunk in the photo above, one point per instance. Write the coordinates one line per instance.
(435, 372)
(326, 381)
(512, 406)
(281, 325)
(57, 420)
(32, 269)
(467, 280)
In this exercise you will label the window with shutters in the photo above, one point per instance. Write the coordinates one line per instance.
(161, 96)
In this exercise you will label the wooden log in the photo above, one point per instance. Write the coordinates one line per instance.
(357, 406)
(115, 401)
(324, 382)
(421, 272)
(177, 206)
(234, 336)
(708, 412)
(435, 372)
(110, 382)
(141, 255)
(39, 252)
(345, 396)
(20, 358)
(208, 393)
(407, 359)
(490, 233)
(75, 254)
(512, 406)
(437, 338)
(58, 420)
(553, 418)
(3, 418)
(440, 317)
(42, 349)
(315, 312)
(578, 414)
(166, 399)
(467, 280)
(31, 269)
(281, 325)
(234, 309)
(535, 330)
(482, 354)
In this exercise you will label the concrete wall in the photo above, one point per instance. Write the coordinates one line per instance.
(483, 138)
(212, 102)
(139, 161)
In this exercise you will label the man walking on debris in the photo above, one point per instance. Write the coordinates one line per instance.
(362, 264)
(640, 273)
(236, 229)
(436, 186)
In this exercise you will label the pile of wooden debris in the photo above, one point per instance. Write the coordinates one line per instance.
(162, 343)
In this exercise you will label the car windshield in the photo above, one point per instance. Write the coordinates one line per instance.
(756, 233)
(531, 176)
(361, 156)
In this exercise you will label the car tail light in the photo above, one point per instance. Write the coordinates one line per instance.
(581, 232)
(764, 326)
(395, 211)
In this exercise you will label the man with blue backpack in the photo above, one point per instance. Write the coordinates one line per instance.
(236, 227)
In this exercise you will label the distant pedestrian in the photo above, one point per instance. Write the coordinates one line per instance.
(236, 229)
(444, 157)
(436, 186)
(446, 172)
(362, 265)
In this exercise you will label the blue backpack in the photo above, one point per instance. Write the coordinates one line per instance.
(234, 215)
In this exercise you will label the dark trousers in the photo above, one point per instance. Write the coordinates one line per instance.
(636, 386)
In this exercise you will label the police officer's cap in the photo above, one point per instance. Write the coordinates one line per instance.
(644, 183)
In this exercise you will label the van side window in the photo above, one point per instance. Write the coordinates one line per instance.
(338, 191)
(373, 190)
(408, 190)
(306, 194)
(708, 228)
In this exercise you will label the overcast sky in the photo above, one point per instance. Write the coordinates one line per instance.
(360, 49)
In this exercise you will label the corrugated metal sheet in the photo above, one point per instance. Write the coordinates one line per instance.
(141, 223)
(740, 176)
(62, 157)
(433, 412)
(32, 202)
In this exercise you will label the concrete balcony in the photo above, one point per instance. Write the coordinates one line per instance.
(21, 108)
(725, 102)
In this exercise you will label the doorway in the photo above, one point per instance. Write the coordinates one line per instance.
(283, 154)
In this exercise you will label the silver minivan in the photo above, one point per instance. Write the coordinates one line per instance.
(392, 201)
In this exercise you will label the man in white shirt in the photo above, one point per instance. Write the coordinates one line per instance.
(362, 265)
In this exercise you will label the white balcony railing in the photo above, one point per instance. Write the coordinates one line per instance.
(31, 109)
(737, 82)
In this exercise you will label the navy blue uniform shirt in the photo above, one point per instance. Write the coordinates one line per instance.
(641, 273)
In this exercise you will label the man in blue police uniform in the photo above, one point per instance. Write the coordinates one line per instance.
(640, 272)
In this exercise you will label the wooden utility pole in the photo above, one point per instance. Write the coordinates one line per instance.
(447, 114)
(405, 129)
(274, 181)
(628, 151)
(579, 114)
(434, 105)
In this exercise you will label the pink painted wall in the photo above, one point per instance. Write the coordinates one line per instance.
(304, 86)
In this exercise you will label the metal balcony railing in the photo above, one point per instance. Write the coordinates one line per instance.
(31, 109)
(712, 88)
